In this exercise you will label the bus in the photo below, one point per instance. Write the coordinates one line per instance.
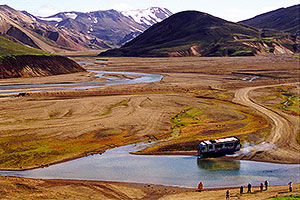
(218, 147)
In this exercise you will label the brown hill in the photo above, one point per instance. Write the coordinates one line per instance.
(23, 29)
(36, 65)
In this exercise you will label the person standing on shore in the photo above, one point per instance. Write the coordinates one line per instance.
(290, 186)
(249, 188)
(200, 187)
(227, 194)
(266, 184)
(261, 187)
(241, 190)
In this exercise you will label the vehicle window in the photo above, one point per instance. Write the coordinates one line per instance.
(229, 145)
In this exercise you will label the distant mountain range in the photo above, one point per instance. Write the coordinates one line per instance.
(20, 28)
(76, 31)
(153, 32)
(193, 33)
(25, 39)
(284, 19)
(111, 26)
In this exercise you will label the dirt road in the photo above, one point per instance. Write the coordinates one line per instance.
(283, 133)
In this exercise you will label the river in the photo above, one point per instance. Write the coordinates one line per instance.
(26, 88)
(185, 171)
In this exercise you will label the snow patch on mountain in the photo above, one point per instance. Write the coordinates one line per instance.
(57, 19)
(148, 16)
(33, 18)
(95, 20)
(71, 15)
(135, 29)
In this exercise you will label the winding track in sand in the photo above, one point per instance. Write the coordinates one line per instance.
(282, 135)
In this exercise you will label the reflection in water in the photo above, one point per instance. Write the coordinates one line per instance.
(213, 164)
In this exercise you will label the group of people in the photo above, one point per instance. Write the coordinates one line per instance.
(262, 185)
(266, 184)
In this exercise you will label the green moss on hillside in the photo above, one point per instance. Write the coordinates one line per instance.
(291, 197)
(8, 48)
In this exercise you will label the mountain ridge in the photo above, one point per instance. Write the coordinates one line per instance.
(284, 19)
(18, 59)
(114, 27)
(23, 29)
(194, 33)
(70, 31)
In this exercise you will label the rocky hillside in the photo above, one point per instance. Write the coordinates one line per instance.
(193, 33)
(284, 19)
(111, 26)
(24, 29)
(36, 65)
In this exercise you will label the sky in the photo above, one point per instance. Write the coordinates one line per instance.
(232, 10)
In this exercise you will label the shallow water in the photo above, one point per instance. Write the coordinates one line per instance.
(118, 165)
(142, 78)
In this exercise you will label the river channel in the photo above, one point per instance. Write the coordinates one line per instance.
(141, 78)
(186, 171)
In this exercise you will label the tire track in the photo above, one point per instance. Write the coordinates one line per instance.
(282, 133)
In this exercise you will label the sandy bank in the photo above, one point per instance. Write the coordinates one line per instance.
(20, 188)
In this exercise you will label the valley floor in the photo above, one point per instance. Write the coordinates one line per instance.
(198, 99)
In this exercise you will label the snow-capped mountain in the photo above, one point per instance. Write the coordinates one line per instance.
(148, 17)
(54, 18)
(114, 27)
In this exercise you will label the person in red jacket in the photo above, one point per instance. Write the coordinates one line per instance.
(261, 187)
(200, 187)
